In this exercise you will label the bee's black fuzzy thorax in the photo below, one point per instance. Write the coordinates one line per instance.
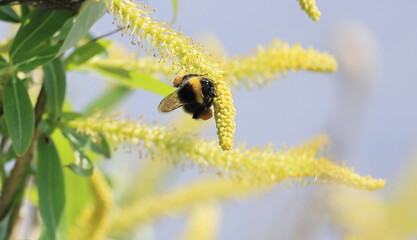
(186, 94)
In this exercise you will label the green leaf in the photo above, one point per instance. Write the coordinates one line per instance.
(89, 14)
(24, 12)
(19, 115)
(9, 15)
(4, 65)
(77, 189)
(84, 53)
(174, 10)
(38, 28)
(51, 189)
(55, 83)
(108, 100)
(3, 127)
(68, 116)
(62, 33)
(134, 79)
(10, 154)
(82, 165)
(101, 146)
(41, 57)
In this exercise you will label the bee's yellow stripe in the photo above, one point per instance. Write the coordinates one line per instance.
(196, 84)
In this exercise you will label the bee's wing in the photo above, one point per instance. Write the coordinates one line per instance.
(170, 103)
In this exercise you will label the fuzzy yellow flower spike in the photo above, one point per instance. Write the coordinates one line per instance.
(148, 209)
(310, 7)
(94, 221)
(277, 58)
(256, 69)
(389, 215)
(203, 223)
(189, 56)
(261, 165)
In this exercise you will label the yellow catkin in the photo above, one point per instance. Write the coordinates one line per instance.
(393, 210)
(203, 223)
(310, 7)
(279, 57)
(256, 69)
(94, 220)
(188, 55)
(261, 165)
(146, 210)
(347, 207)
(318, 143)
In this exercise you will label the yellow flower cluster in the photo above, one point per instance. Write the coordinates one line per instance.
(393, 210)
(203, 223)
(178, 200)
(278, 57)
(261, 165)
(94, 221)
(190, 57)
(257, 69)
(347, 207)
(310, 7)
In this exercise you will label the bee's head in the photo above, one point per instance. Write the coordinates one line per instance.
(208, 87)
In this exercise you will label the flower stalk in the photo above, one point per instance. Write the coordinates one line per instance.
(264, 64)
(261, 165)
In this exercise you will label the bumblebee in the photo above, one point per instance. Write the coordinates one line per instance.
(195, 93)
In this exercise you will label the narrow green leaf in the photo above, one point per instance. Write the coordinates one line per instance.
(38, 28)
(77, 140)
(40, 57)
(3, 227)
(62, 33)
(3, 127)
(84, 53)
(108, 100)
(82, 165)
(24, 12)
(18, 113)
(77, 189)
(67, 116)
(55, 83)
(174, 10)
(82, 142)
(134, 79)
(10, 154)
(51, 187)
(9, 15)
(101, 146)
(4, 66)
(89, 13)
